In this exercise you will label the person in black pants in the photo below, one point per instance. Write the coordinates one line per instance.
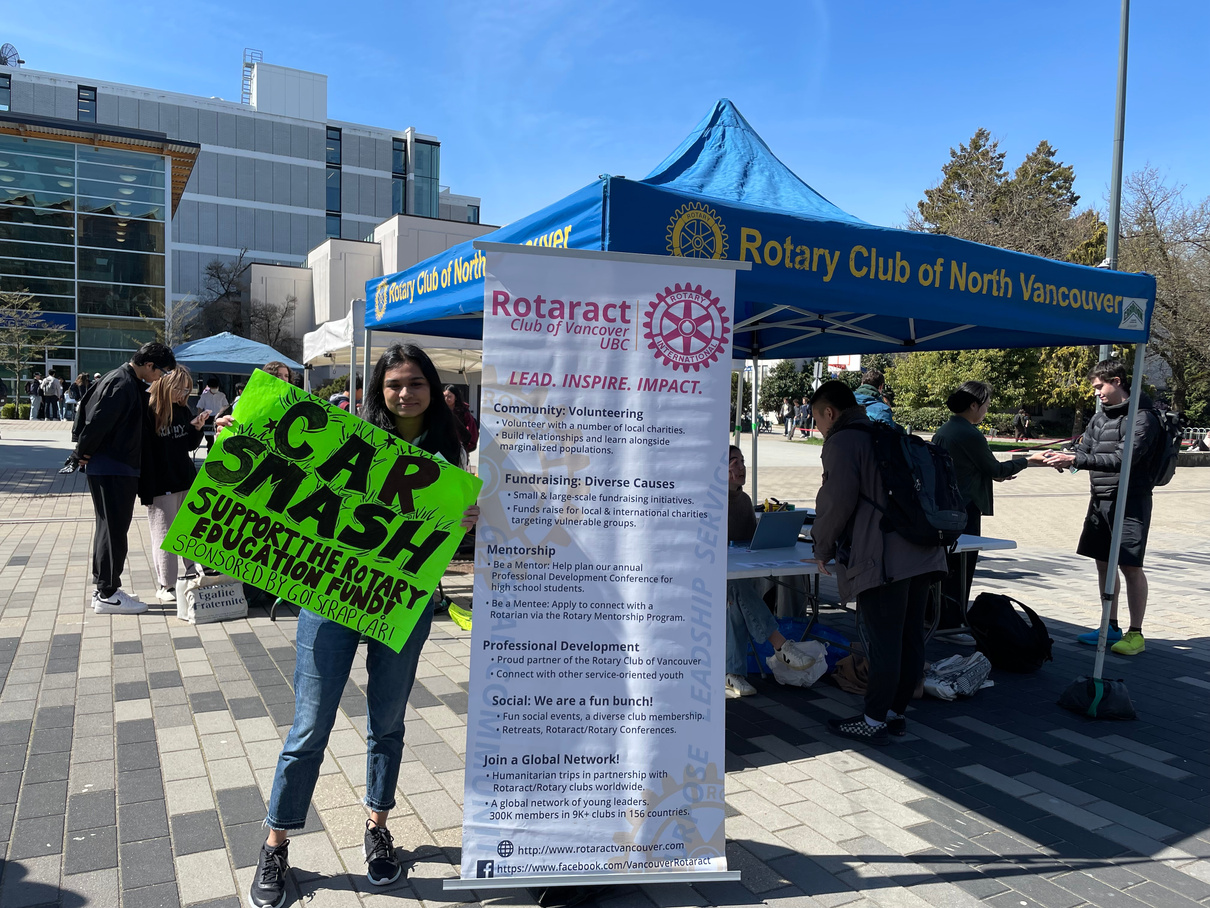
(887, 575)
(109, 445)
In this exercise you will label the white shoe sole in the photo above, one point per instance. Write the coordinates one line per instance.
(105, 608)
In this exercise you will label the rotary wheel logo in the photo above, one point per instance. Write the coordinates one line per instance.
(380, 301)
(686, 327)
(696, 232)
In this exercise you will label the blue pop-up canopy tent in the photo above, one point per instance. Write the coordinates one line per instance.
(822, 280)
(228, 353)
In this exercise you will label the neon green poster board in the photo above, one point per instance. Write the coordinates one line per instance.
(325, 511)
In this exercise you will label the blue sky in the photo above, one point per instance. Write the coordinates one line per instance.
(532, 100)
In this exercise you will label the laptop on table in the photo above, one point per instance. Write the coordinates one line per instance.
(777, 530)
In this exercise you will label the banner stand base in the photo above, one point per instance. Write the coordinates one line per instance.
(592, 879)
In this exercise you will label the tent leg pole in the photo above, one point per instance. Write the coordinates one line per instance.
(353, 377)
(739, 405)
(1119, 511)
(365, 369)
(755, 417)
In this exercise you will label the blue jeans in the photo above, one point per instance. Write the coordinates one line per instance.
(325, 655)
(748, 618)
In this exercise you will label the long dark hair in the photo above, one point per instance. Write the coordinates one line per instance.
(440, 430)
(459, 403)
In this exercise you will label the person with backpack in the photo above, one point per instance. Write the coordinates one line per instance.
(976, 468)
(33, 388)
(888, 575)
(871, 394)
(1100, 452)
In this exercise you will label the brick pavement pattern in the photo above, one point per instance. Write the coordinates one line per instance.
(136, 752)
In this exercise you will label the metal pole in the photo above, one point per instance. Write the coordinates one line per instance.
(365, 371)
(739, 405)
(1119, 510)
(1119, 134)
(755, 415)
(353, 377)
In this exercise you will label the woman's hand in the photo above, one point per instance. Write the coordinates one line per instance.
(223, 422)
(200, 420)
(470, 517)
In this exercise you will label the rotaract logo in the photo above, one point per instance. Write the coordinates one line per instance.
(686, 327)
(696, 232)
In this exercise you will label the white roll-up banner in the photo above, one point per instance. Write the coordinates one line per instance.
(595, 727)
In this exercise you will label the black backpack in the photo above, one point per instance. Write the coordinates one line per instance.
(1003, 636)
(1172, 433)
(924, 505)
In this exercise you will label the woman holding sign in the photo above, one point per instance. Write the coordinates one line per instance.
(404, 397)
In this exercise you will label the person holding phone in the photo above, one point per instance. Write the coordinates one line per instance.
(171, 435)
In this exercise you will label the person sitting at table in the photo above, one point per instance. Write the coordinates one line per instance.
(748, 618)
(976, 468)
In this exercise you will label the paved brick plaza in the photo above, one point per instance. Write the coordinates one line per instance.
(135, 752)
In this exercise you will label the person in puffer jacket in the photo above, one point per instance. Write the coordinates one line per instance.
(1100, 452)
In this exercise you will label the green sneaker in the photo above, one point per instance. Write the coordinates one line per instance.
(1131, 644)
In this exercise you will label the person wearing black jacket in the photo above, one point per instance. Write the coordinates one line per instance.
(172, 433)
(1100, 452)
(108, 433)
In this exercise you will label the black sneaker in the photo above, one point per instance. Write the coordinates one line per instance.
(268, 888)
(859, 729)
(897, 726)
(383, 867)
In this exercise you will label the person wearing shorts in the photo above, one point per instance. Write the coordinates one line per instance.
(1100, 452)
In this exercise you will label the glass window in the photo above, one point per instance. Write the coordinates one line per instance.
(6, 86)
(38, 285)
(16, 179)
(398, 185)
(86, 111)
(130, 234)
(37, 268)
(123, 209)
(35, 251)
(333, 146)
(425, 197)
(54, 303)
(106, 299)
(333, 184)
(120, 192)
(121, 267)
(25, 163)
(102, 360)
(18, 145)
(332, 225)
(399, 157)
(427, 162)
(23, 215)
(121, 158)
(113, 332)
(127, 176)
(472, 214)
(29, 233)
(34, 199)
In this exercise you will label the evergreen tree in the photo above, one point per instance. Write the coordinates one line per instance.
(970, 187)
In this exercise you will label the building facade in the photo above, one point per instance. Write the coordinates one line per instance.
(274, 178)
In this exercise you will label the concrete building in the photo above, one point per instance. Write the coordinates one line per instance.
(272, 175)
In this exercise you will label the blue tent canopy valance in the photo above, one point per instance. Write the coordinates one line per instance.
(822, 280)
(229, 354)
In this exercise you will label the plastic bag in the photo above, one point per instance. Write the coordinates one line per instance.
(801, 677)
(957, 676)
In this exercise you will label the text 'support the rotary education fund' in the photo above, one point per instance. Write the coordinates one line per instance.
(325, 511)
(595, 726)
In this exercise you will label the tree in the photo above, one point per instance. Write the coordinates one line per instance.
(1170, 238)
(746, 394)
(221, 307)
(965, 200)
(927, 379)
(783, 380)
(25, 334)
(179, 324)
(273, 324)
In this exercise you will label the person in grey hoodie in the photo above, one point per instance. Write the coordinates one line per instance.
(887, 575)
